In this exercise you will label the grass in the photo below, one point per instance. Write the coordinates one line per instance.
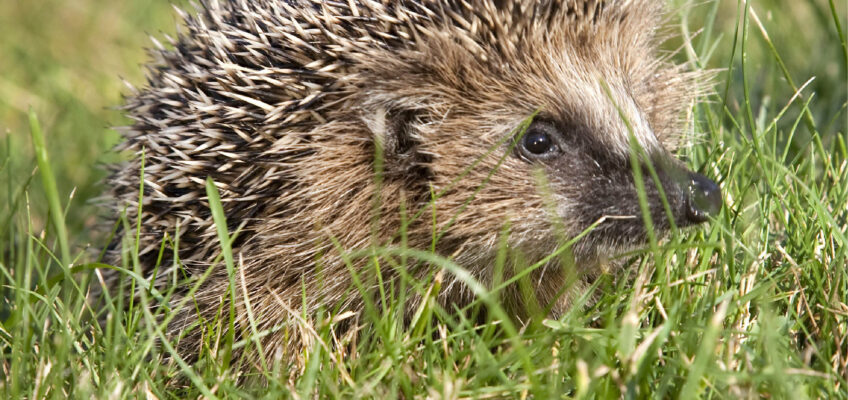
(751, 305)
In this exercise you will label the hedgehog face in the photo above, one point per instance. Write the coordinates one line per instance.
(598, 89)
(588, 183)
(586, 176)
(586, 152)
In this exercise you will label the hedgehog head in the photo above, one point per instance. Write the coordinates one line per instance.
(458, 87)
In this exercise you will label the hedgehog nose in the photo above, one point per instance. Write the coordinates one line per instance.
(704, 198)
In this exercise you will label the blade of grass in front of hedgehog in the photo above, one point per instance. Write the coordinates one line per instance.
(481, 292)
(513, 136)
(155, 329)
(226, 250)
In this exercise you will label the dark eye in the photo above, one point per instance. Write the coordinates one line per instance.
(538, 141)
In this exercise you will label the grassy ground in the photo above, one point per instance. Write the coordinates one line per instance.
(755, 304)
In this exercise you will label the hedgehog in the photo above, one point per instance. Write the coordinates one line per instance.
(457, 127)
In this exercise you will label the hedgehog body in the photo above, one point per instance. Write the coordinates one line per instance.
(329, 127)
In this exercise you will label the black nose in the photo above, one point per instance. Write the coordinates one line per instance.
(704, 198)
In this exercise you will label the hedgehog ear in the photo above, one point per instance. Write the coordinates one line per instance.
(395, 131)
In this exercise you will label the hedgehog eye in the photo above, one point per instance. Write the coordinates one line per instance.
(538, 140)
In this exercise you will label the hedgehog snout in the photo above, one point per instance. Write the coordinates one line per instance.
(703, 198)
(699, 198)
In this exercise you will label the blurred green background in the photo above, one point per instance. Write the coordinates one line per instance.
(66, 59)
